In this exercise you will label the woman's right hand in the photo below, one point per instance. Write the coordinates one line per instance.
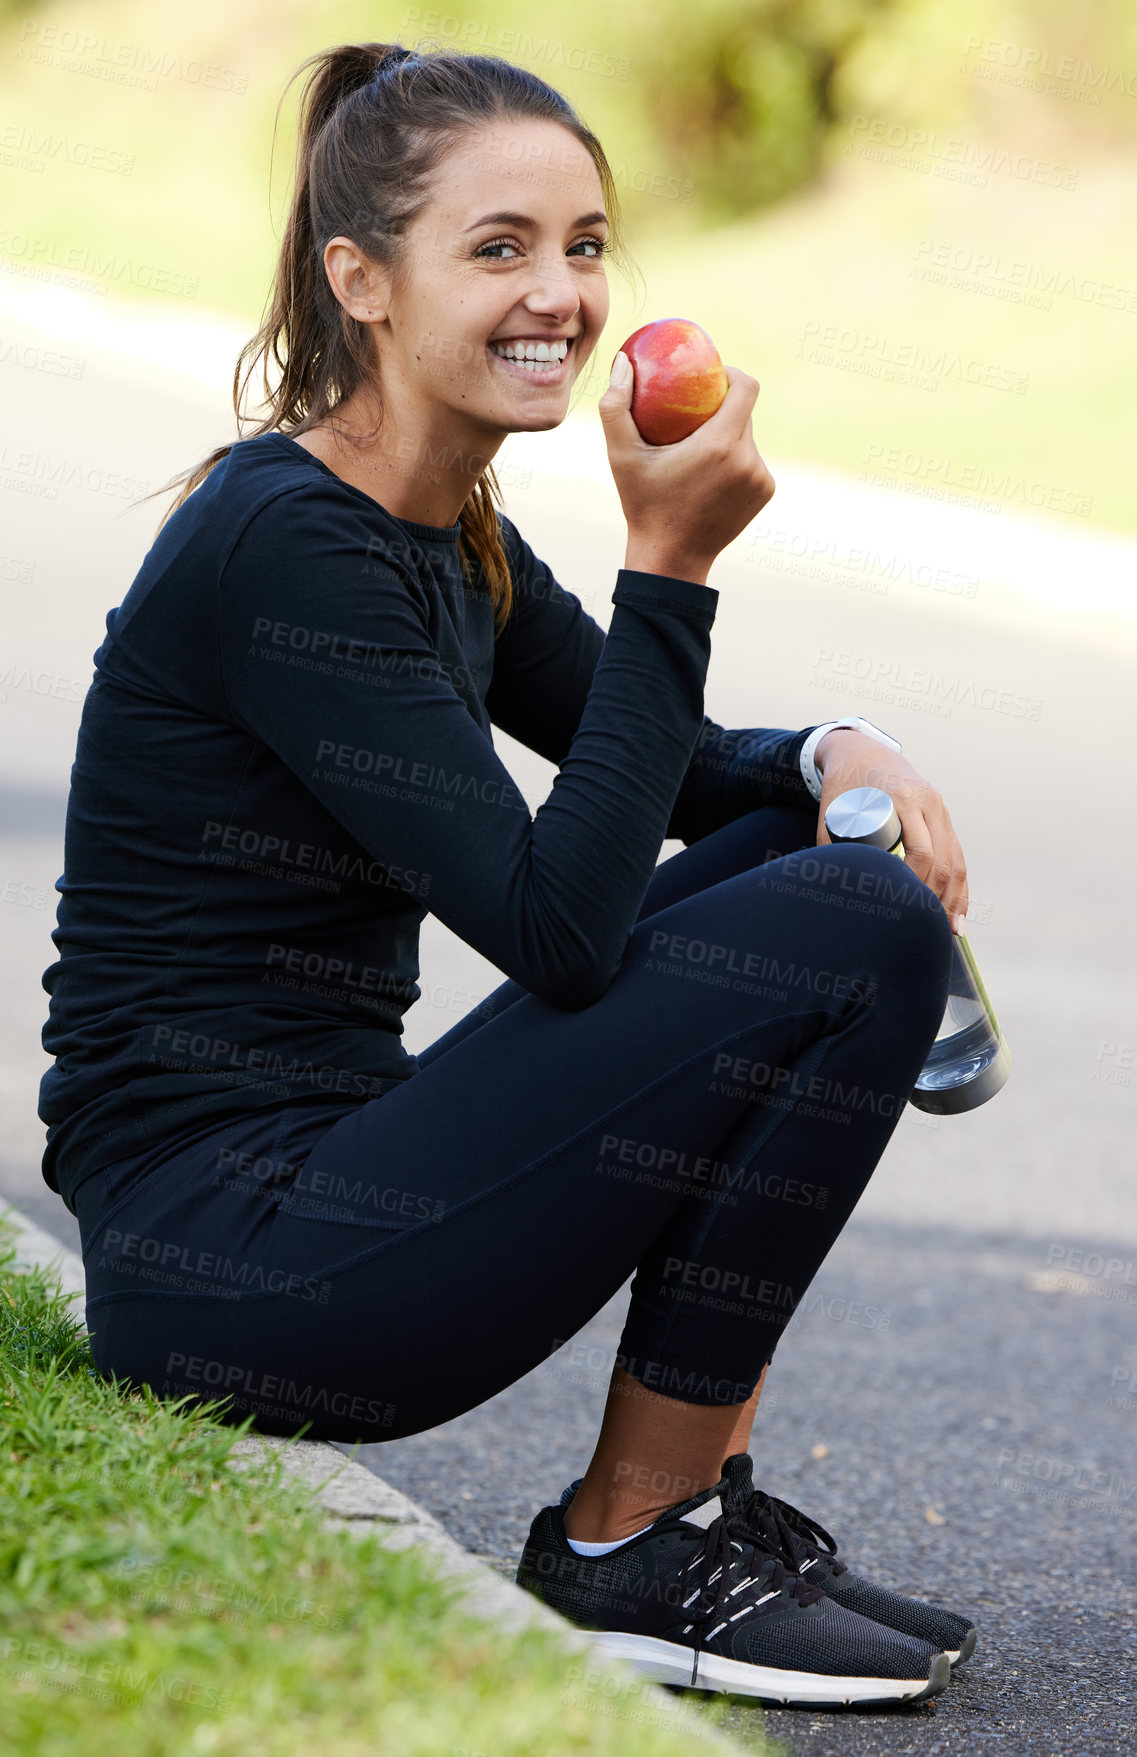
(685, 502)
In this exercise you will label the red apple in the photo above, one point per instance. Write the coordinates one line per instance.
(679, 379)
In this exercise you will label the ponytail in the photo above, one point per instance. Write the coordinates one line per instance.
(376, 119)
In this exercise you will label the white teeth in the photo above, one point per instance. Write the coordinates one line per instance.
(534, 354)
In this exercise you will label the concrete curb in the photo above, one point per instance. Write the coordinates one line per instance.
(355, 1499)
(36, 1249)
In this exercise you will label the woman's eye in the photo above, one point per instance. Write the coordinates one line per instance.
(596, 247)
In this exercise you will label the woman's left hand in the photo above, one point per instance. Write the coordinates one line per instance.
(847, 758)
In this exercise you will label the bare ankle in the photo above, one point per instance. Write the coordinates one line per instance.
(593, 1517)
(603, 1525)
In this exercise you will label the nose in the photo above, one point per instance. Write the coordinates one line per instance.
(552, 292)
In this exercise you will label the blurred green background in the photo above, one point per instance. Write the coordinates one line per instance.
(915, 221)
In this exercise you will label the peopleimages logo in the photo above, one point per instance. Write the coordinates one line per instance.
(950, 156)
(124, 63)
(743, 963)
(788, 1084)
(937, 691)
(302, 862)
(419, 778)
(182, 1265)
(103, 1679)
(1022, 283)
(41, 252)
(232, 1378)
(940, 478)
(1044, 70)
(901, 361)
(183, 1051)
(620, 1151)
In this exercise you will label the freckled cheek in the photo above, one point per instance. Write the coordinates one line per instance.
(447, 350)
(471, 324)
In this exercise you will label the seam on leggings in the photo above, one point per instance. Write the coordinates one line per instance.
(283, 1119)
(333, 1269)
(155, 1171)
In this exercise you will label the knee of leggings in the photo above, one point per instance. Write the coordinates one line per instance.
(921, 934)
(850, 872)
(879, 890)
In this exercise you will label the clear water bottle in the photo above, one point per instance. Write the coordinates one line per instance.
(969, 1060)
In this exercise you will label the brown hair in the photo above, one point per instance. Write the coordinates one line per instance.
(376, 119)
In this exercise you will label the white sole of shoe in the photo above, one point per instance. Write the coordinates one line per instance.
(667, 1662)
(964, 1653)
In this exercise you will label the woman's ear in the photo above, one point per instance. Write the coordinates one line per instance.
(361, 286)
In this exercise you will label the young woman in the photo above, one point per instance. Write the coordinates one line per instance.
(285, 760)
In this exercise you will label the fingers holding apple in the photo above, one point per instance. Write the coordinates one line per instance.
(687, 496)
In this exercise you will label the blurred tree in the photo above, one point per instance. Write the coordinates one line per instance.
(746, 91)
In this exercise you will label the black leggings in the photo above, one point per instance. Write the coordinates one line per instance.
(710, 1122)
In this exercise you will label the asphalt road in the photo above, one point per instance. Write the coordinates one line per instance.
(980, 1445)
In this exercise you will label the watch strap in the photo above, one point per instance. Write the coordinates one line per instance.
(809, 770)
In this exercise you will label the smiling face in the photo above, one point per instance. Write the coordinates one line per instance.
(501, 293)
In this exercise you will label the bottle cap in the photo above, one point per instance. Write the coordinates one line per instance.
(863, 814)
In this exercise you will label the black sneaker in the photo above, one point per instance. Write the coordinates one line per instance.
(812, 1553)
(687, 1603)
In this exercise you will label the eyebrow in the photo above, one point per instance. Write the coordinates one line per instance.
(512, 219)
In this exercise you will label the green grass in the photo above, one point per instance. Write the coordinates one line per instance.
(159, 1596)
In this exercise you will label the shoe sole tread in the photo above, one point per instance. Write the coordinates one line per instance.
(669, 1662)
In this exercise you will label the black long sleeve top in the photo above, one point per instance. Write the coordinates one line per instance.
(285, 760)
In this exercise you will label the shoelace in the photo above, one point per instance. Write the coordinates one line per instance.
(713, 1562)
(786, 1528)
